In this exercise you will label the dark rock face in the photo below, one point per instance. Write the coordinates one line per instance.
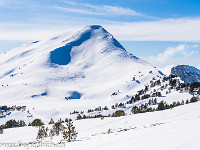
(188, 74)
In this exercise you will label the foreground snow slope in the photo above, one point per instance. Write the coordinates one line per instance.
(66, 73)
(167, 130)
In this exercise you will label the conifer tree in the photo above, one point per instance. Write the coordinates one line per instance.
(42, 132)
(161, 106)
(51, 121)
(1, 130)
(193, 99)
(69, 134)
(79, 117)
(37, 122)
(187, 101)
(57, 128)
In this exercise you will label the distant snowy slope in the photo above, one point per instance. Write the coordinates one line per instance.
(68, 73)
(188, 74)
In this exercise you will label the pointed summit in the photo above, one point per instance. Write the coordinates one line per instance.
(95, 26)
(93, 36)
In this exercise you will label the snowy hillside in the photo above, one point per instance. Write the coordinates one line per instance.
(188, 74)
(167, 130)
(71, 72)
(90, 78)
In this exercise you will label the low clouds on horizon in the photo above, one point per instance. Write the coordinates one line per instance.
(182, 30)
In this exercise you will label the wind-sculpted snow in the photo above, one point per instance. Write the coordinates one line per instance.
(7, 73)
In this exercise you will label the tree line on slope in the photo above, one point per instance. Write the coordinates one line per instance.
(161, 106)
(12, 124)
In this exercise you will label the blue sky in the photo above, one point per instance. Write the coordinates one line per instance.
(147, 28)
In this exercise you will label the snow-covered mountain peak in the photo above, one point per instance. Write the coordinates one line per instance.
(94, 40)
(88, 66)
(95, 32)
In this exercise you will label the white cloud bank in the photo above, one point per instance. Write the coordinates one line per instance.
(180, 54)
(104, 10)
(170, 52)
(184, 29)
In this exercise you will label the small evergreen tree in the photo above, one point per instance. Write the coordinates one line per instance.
(113, 107)
(42, 132)
(118, 113)
(52, 132)
(70, 133)
(187, 101)
(178, 103)
(84, 117)
(21, 123)
(79, 117)
(193, 99)
(1, 129)
(57, 128)
(182, 103)
(51, 121)
(37, 122)
(161, 106)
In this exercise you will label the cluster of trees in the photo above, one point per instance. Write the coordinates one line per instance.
(79, 117)
(98, 109)
(75, 112)
(173, 83)
(154, 83)
(13, 108)
(161, 106)
(195, 85)
(144, 107)
(117, 113)
(120, 105)
(69, 133)
(141, 96)
(12, 124)
(90, 110)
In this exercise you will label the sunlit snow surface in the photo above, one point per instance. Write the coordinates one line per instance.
(80, 72)
(41, 75)
(167, 130)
